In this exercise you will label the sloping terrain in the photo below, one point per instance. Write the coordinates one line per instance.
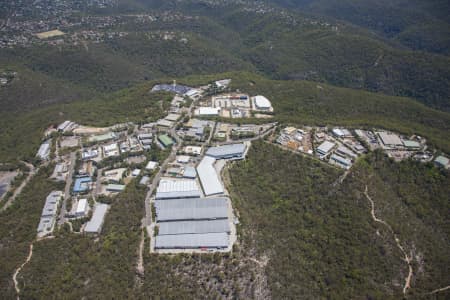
(320, 238)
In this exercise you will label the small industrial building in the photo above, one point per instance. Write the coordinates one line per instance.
(342, 162)
(111, 150)
(114, 176)
(325, 148)
(82, 208)
(82, 184)
(344, 151)
(151, 165)
(207, 111)
(102, 137)
(442, 161)
(341, 132)
(390, 139)
(192, 241)
(177, 189)
(115, 188)
(183, 159)
(411, 145)
(208, 177)
(165, 140)
(144, 180)
(44, 150)
(193, 150)
(189, 172)
(172, 117)
(96, 222)
(227, 151)
(89, 154)
(165, 123)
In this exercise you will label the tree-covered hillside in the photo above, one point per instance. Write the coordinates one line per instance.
(202, 37)
(419, 25)
(319, 236)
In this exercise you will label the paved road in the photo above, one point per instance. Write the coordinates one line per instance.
(62, 212)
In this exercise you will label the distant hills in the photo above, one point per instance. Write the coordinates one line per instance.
(310, 42)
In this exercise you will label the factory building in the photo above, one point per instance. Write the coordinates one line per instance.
(115, 188)
(82, 184)
(192, 241)
(165, 140)
(44, 150)
(390, 139)
(261, 103)
(344, 151)
(442, 161)
(207, 111)
(227, 151)
(96, 222)
(151, 165)
(189, 209)
(341, 133)
(102, 137)
(82, 208)
(189, 172)
(208, 177)
(325, 148)
(340, 161)
(177, 189)
(194, 227)
(48, 215)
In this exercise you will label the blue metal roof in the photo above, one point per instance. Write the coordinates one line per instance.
(81, 184)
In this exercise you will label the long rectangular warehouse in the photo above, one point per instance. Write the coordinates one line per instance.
(209, 177)
(177, 189)
(192, 241)
(192, 209)
(227, 151)
(186, 227)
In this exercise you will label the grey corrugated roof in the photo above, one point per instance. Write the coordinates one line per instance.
(209, 177)
(192, 241)
(192, 209)
(169, 188)
(95, 224)
(185, 227)
(226, 151)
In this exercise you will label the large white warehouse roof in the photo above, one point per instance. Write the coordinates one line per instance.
(226, 151)
(185, 227)
(171, 189)
(262, 102)
(209, 177)
(192, 241)
(192, 209)
(95, 224)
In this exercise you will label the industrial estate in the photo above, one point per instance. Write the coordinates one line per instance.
(180, 159)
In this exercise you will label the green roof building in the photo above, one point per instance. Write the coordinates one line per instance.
(165, 140)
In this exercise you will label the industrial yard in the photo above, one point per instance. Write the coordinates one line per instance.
(341, 147)
(179, 159)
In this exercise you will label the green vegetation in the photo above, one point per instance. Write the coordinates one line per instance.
(320, 238)
(18, 225)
